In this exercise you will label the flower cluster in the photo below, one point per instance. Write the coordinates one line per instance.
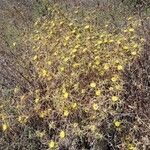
(77, 77)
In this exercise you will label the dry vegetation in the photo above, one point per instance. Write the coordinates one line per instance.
(75, 76)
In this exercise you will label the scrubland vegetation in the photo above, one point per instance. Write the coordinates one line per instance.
(74, 75)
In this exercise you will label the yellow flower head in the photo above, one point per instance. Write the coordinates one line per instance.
(93, 127)
(135, 46)
(97, 92)
(49, 62)
(42, 114)
(67, 38)
(115, 98)
(83, 91)
(35, 57)
(114, 79)
(22, 119)
(95, 106)
(106, 66)
(97, 62)
(117, 123)
(75, 65)
(61, 23)
(40, 134)
(16, 90)
(66, 95)
(99, 42)
(125, 47)
(37, 100)
(134, 53)
(14, 44)
(87, 27)
(51, 144)
(5, 126)
(93, 84)
(119, 67)
(75, 124)
(74, 105)
(62, 134)
(125, 30)
(44, 72)
(71, 24)
(131, 147)
(118, 87)
(62, 69)
(131, 30)
(66, 113)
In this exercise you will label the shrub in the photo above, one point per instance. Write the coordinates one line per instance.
(70, 83)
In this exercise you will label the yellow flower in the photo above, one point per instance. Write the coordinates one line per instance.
(131, 147)
(101, 73)
(78, 36)
(42, 114)
(129, 18)
(16, 90)
(84, 50)
(118, 42)
(51, 144)
(115, 98)
(71, 24)
(135, 46)
(14, 44)
(62, 69)
(111, 88)
(118, 87)
(97, 62)
(111, 41)
(66, 95)
(40, 134)
(61, 23)
(114, 79)
(116, 61)
(99, 42)
(66, 113)
(93, 127)
(73, 31)
(75, 124)
(49, 62)
(125, 47)
(37, 100)
(62, 134)
(106, 66)
(35, 57)
(44, 72)
(117, 123)
(95, 106)
(125, 31)
(66, 59)
(93, 84)
(67, 38)
(77, 46)
(87, 27)
(83, 91)
(134, 53)
(97, 92)
(5, 126)
(74, 50)
(131, 30)
(119, 67)
(75, 65)
(22, 119)
(74, 105)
